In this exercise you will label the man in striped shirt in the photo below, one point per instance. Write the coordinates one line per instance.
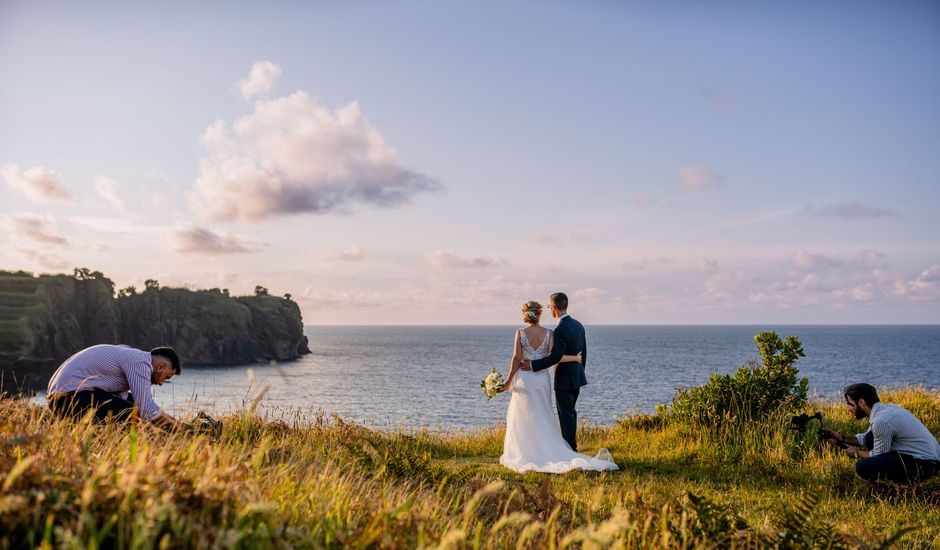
(897, 446)
(100, 378)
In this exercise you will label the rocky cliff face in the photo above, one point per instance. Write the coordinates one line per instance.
(45, 319)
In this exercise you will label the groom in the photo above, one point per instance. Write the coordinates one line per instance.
(569, 377)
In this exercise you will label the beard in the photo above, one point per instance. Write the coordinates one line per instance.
(859, 413)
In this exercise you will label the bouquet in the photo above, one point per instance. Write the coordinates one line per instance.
(492, 384)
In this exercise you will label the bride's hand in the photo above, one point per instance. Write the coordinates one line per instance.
(507, 386)
(578, 356)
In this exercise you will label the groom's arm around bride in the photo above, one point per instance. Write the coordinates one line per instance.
(569, 377)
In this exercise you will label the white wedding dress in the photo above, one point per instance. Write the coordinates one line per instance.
(533, 439)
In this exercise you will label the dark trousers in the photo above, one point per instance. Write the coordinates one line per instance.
(898, 467)
(568, 416)
(105, 404)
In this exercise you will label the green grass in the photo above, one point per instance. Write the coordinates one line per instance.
(323, 483)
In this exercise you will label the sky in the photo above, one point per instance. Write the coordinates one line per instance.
(443, 162)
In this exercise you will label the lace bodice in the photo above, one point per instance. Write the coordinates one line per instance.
(531, 353)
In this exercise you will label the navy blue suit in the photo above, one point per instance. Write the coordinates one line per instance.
(569, 377)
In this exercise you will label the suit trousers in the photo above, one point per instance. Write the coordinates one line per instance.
(898, 467)
(105, 404)
(568, 416)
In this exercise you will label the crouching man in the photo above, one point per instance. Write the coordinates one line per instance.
(113, 381)
(897, 446)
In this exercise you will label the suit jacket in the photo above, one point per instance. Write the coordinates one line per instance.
(568, 340)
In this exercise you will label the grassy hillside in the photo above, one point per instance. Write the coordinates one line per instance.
(321, 483)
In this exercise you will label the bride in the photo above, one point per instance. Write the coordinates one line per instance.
(533, 439)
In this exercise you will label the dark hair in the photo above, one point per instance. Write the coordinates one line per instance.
(862, 391)
(170, 354)
(559, 300)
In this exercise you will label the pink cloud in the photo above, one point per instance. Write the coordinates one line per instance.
(38, 183)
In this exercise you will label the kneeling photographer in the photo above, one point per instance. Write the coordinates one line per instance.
(897, 446)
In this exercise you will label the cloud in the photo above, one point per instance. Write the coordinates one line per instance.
(449, 260)
(199, 240)
(261, 79)
(354, 253)
(593, 297)
(693, 178)
(35, 227)
(719, 101)
(923, 288)
(109, 190)
(38, 183)
(293, 155)
(851, 211)
(804, 261)
(45, 259)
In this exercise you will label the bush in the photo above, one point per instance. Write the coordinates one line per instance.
(755, 391)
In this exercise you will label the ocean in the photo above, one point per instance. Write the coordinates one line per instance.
(389, 377)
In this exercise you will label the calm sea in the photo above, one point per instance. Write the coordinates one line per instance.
(430, 376)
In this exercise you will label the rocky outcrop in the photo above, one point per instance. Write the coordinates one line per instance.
(45, 319)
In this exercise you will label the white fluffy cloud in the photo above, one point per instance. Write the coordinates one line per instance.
(199, 240)
(38, 183)
(110, 190)
(694, 178)
(261, 79)
(35, 227)
(852, 211)
(449, 260)
(293, 155)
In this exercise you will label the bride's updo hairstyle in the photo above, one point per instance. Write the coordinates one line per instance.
(531, 312)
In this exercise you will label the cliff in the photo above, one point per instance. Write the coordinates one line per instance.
(45, 319)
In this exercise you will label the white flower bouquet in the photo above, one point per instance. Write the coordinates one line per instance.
(492, 384)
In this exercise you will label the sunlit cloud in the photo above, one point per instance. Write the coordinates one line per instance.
(36, 227)
(109, 190)
(694, 178)
(292, 155)
(200, 240)
(38, 183)
(449, 260)
(354, 253)
(923, 288)
(851, 211)
(261, 79)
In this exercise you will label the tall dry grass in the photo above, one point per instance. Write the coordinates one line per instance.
(321, 483)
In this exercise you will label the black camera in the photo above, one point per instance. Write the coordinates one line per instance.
(801, 422)
(203, 423)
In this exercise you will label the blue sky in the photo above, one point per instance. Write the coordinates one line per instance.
(427, 162)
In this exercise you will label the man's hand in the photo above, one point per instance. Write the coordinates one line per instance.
(851, 451)
(834, 437)
(525, 365)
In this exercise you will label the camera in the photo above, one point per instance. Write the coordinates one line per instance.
(800, 424)
(203, 423)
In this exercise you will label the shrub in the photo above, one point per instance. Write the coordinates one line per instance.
(755, 391)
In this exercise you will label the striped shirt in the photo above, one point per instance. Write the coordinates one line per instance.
(895, 429)
(114, 369)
